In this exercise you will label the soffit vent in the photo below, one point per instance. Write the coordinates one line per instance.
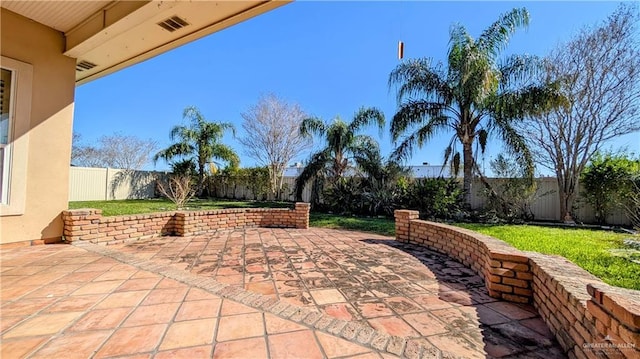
(85, 65)
(173, 23)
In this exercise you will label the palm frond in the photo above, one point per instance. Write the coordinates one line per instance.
(316, 164)
(519, 69)
(496, 37)
(312, 126)
(416, 112)
(418, 77)
(366, 117)
(404, 150)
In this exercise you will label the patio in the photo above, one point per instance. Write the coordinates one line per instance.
(363, 295)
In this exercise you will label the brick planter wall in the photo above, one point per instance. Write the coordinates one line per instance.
(90, 225)
(589, 318)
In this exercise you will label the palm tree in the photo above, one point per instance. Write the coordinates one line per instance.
(198, 144)
(475, 96)
(342, 144)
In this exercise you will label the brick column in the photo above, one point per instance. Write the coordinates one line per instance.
(81, 224)
(302, 215)
(403, 218)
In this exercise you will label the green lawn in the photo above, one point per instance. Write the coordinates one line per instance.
(589, 249)
(136, 206)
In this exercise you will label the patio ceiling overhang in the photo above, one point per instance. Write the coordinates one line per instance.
(106, 36)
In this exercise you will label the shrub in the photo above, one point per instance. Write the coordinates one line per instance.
(608, 182)
(178, 188)
(434, 197)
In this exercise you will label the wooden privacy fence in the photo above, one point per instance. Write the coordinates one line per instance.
(99, 184)
(90, 184)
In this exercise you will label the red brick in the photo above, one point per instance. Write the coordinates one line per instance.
(515, 282)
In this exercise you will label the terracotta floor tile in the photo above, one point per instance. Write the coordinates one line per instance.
(8, 322)
(79, 277)
(26, 306)
(82, 345)
(254, 348)
(189, 333)
(402, 305)
(237, 279)
(393, 326)
(101, 319)
(457, 346)
(342, 311)
(198, 294)
(431, 301)
(14, 292)
(20, 347)
(300, 344)
(425, 323)
(42, 325)
(230, 307)
(489, 317)
(169, 283)
(276, 325)
(373, 309)
(122, 299)
(138, 284)
(133, 340)
(199, 309)
(240, 327)
(456, 319)
(300, 299)
(195, 353)
(327, 296)
(261, 287)
(54, 290)
(114, 275)
(98, 287)
(78, 304)
(152, 314)
(337, 347)
(166, 295)
(512, 311)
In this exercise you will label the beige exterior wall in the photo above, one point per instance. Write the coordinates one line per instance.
(50, 127)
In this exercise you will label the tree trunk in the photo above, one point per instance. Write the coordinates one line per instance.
(200, 180)
(566, 196)
(467, 167)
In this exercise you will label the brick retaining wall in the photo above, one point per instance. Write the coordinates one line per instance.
(579, 308)
(89, 224)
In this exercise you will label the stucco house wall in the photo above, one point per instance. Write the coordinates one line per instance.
(49, 128)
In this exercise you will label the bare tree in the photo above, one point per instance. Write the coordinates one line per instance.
(178, 189)
(599, 73)
(116, 151)
(272, 136)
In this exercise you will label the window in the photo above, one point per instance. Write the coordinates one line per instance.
(6, 86)
(15, 111)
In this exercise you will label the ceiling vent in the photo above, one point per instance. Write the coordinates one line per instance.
(173, 23)
(85, 65)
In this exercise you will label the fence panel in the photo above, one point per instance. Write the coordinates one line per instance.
(99, 184)
(90, 184)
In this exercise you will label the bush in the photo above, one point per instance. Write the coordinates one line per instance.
(608, 182)
(434, 197)
(511, 193)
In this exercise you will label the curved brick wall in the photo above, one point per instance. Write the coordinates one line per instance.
(90, 225)
(589, 318)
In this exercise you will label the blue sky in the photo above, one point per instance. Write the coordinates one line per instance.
(330, 57)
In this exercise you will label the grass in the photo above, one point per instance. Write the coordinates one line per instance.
(589, 249)
(384, 226)
(137, 206)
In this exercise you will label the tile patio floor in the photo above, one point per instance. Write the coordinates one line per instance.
(166, 297)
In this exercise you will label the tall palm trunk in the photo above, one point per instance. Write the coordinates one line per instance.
(467, 156)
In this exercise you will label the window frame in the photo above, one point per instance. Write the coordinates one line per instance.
(18, 146)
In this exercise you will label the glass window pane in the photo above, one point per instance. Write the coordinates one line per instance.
(5, 102)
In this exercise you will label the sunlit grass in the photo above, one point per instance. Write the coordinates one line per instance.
(137, 206)
(589, 249)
